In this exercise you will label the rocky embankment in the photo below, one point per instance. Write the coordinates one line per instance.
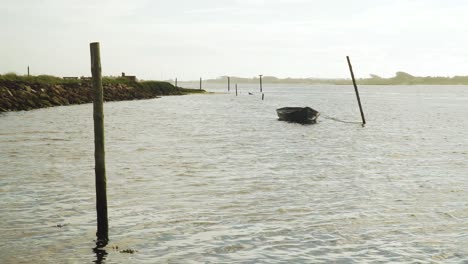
(16, 95)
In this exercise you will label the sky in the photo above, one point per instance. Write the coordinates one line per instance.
(187, 39)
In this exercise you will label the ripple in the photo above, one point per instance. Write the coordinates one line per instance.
(216, 178)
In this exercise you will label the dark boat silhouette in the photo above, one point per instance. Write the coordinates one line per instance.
(302, 115)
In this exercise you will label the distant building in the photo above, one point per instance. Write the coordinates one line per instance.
(130, 77)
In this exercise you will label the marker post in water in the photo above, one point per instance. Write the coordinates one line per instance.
(261, 88)
(99, 154)
(229, 83)
(357, 92)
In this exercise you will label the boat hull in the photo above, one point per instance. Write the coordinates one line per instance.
(302, 115)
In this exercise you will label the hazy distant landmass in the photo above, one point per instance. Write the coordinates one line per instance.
(400, 78)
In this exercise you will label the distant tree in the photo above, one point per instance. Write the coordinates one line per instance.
(403, 75)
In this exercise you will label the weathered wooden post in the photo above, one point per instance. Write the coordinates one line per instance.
(200, 83)
(229, 83)
(261, 89)
(236, 89)
(357, 92)
(28, 70)
(99, 154)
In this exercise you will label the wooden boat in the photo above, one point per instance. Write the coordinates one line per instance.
(302, 115)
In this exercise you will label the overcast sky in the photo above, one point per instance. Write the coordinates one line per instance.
(188, 39)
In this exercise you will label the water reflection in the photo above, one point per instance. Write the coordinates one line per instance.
(100, 255)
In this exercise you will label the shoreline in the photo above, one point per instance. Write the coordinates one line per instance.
(27, 93)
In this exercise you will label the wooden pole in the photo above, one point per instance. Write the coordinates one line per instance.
(236, 89)
(357, 92)
(28, 70)
(175, 82)
(263, 96)
(200, 83)
(261, 83)
(99, 154)
(229, 83)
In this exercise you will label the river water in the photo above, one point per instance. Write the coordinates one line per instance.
(216, 178)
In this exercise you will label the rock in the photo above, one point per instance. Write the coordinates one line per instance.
(16, 96)
(55, 100)
(28, 89)
(6, 104)
(31, 103)
(8, 91)
(59, 89)
(65, 101)
(44, 96)
(46, 103)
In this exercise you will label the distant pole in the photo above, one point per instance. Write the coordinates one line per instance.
(99, 154)
(28, 70)
(263, 96)
(200, 83)
(261, 83)
(229, 83)
(357, 92)
(236, 89)
(175, 82)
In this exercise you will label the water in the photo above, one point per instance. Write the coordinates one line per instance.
(217, 179)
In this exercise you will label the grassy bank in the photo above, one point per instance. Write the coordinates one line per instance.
(31, 92)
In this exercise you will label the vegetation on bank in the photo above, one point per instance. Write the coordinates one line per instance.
(31, 92)
(160, 87)
(400, 78)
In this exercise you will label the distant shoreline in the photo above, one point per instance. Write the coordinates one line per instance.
(400, 78)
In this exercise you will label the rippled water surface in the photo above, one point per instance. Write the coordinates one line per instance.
(217, 179)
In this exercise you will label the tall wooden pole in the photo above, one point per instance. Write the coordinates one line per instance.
(229, 83)
(28, 70)
(357, 92)
(261, 89)
(99, 154)
(200, 83)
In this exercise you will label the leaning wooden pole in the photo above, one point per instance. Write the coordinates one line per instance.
(99, 154)
(357, 92)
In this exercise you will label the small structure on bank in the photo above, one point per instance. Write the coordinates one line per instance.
(130, 77)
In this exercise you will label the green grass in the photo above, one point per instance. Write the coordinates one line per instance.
(156, 87)
(106, 80)
(39, 79)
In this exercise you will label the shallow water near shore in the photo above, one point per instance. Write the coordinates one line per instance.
(217, 178)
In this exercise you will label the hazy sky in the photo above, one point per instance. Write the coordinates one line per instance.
(157, 39)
